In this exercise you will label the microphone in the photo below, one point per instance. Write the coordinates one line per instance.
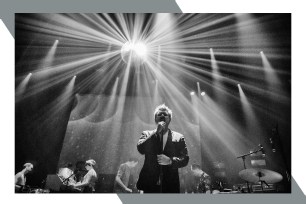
(162, 124)
(262, 150)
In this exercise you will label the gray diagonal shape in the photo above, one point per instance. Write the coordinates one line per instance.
(296, 197)
(8, 8)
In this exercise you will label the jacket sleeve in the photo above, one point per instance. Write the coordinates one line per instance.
(143, 142)
(182, 159)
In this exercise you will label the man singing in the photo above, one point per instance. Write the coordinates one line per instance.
(165, 151)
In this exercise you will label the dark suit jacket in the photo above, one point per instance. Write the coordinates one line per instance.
(175, 148)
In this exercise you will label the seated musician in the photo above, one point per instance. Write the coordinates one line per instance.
(20, 177)
(87, 185)
(125, 178)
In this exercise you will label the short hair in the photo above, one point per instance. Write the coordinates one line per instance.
(91, 162)
(134, 159)
(28, 165)
(163, 107)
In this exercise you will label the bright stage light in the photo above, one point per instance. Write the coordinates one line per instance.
(136, 52)
(192, 93)
(140, 49)
(203, 94)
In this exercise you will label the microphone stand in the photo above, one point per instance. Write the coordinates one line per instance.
(244, 166)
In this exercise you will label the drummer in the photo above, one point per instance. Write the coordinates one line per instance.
(20, 177)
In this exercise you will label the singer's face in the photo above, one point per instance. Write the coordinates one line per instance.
(162, 116)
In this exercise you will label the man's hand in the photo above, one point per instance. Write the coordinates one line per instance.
(160, 127)
(128, 190)
(163, 160)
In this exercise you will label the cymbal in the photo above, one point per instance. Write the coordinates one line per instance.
(255, 175)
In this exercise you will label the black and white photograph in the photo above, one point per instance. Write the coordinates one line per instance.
(186, 103)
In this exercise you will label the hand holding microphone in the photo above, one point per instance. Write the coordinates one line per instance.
(160, 127)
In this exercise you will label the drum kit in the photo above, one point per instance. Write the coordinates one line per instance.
(259, 177)
(262, 179)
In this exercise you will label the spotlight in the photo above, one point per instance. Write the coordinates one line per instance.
(203, 94)
(140, 49)
(192, 93)
(136, 52)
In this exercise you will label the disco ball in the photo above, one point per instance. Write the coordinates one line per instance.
(135, 53)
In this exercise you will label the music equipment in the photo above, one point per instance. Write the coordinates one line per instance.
(241, 188)
(105, 183)
(255, 175)
(32, 189)
(270, 188)
(244, 172)
(53, 182)
(230, 192)
(39, 190)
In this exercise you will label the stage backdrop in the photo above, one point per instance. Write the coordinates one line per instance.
(99, 130)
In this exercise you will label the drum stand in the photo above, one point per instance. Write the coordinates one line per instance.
(262, 182)
(243, 159)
